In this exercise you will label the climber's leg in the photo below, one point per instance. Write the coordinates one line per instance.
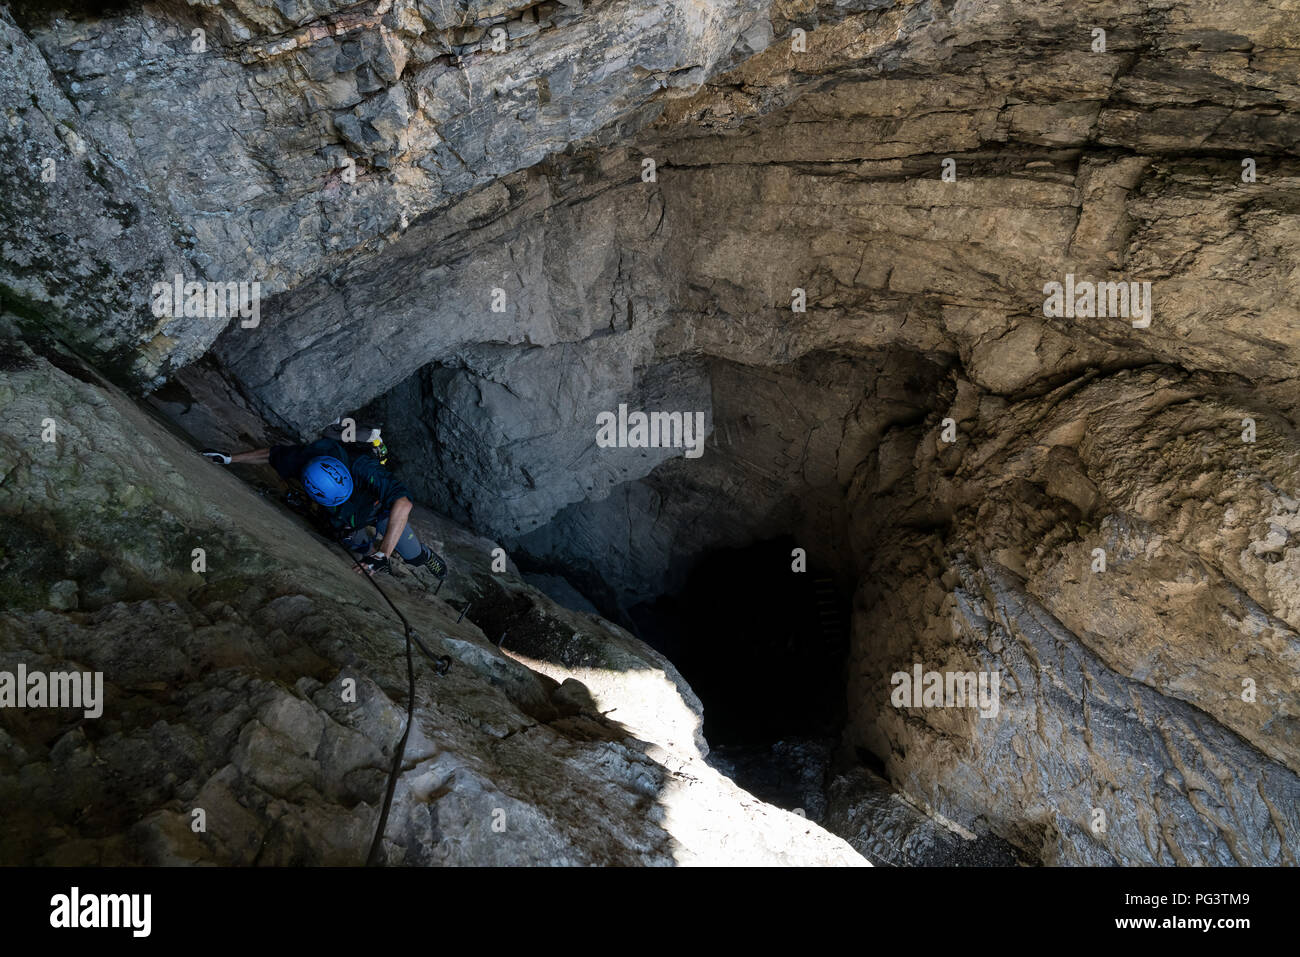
(408, 546)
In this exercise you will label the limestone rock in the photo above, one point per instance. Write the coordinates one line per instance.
(467, 243)
(261, 698)
(233, 141)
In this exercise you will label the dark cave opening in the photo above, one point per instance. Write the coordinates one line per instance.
(764, 647)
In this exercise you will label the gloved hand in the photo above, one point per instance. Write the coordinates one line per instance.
(377, 562)
(212, 455)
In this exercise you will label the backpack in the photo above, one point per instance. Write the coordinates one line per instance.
(366, 436)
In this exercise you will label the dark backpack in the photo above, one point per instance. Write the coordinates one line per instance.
(368, 441)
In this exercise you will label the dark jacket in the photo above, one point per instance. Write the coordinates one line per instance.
(374, 489)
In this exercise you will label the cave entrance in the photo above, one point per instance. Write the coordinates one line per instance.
(764, 647)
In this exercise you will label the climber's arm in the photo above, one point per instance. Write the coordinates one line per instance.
(396, 524)
(255, 457)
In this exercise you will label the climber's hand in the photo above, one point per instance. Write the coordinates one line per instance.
(212, 455)
(377, 562)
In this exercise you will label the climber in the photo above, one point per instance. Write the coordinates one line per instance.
(354, 492)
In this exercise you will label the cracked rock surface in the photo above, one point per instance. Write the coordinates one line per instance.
(268, 691)
(467, 243)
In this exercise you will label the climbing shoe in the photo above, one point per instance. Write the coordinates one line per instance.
(428, 557)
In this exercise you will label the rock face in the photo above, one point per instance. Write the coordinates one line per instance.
(1159, 690)
(824, 178)
(81, 242)
(270, 142)
(266, 691)
(880, 822)
(828, 228)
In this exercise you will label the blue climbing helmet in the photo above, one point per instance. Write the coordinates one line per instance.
(327, 480)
